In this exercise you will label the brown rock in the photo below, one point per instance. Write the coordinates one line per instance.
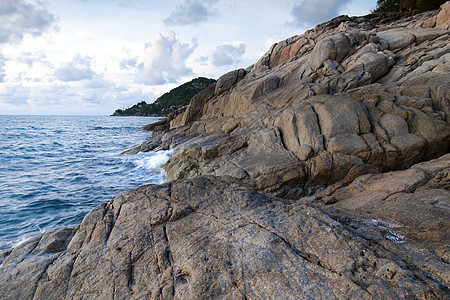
(443, 18)
(210, 238)
(409, 208)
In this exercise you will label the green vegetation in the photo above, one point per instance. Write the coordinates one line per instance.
(414, 6)
(167, 103)
(387, 5)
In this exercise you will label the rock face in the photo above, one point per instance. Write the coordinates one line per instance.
(320, 172)
(213, 237)
(351, 93)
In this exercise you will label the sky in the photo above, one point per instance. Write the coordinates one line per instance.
(91, 57)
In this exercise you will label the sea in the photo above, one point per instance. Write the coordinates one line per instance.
(55, 169)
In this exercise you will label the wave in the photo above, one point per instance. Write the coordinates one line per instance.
(152, 162)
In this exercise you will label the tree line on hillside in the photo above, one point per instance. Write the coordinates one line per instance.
(414, 6)
(169, 102)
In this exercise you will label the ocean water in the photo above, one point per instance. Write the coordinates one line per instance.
(55, 169)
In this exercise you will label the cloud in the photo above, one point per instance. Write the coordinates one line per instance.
(228, 54)
(202, 60)
(78, 69)
(29, 58)
(2, 71)
(165, 60)
(18, 17)
(128, 64)
(127, 3)
(311, 12)
(15, 95)
(191, 12)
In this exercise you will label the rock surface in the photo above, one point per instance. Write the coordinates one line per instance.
(213, 237)
(320, 172)
(363, 92)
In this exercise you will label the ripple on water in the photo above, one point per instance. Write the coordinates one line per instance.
(54, 169)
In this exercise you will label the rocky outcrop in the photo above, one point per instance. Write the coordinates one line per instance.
(321, 171)
(213, 237)
(351, 94)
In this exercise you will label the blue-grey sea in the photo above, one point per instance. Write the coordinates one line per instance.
(54, 169)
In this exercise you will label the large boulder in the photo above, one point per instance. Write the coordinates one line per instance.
(214, 238)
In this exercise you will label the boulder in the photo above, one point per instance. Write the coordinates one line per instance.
(225, 82)
(212, 237)
(332, 93)
(443, 18)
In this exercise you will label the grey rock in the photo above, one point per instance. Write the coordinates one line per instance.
(209, 238)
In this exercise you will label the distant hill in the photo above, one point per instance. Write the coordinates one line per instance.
(176, 98)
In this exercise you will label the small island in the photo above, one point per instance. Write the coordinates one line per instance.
(169, 102)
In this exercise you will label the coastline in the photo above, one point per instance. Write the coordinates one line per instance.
(55, 169)
(298, 177)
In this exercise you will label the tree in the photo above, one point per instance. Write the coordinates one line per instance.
(408, 5)
(388, 6)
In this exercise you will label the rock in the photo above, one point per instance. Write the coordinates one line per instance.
(225, 82)
(377, 64)
(326, 92)
(394, 125)
(152, 126)
(347, 143)
(443, 18)
(194, 110)
(397, 38)
(266, 86)
(209, 238)
(274, 185)
(385, 207)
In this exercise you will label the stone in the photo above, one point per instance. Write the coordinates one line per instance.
(443, 18)
(319, 172)
(225, 82)
(397, 38)
(194, 110)
(340, 115)
(387, 207)
(347, 143)
(212, 237)
(266, 86)
(394, 125)
(377, 64)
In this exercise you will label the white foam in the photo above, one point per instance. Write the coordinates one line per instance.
(152, 162)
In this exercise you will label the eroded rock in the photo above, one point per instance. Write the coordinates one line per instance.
(210, 238)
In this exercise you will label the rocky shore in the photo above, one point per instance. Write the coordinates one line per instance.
(320, 172)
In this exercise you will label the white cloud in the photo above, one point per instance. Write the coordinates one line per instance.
(2, 70)
(202, 60)
(15, 95)
(95, 96)
(311, 12)
(127, 64)
(18, 17)
(78, 69)
(165, 60)
(191, 12)
(30, 58)
(228, 54)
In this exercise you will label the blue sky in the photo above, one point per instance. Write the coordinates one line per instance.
(93, 56)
